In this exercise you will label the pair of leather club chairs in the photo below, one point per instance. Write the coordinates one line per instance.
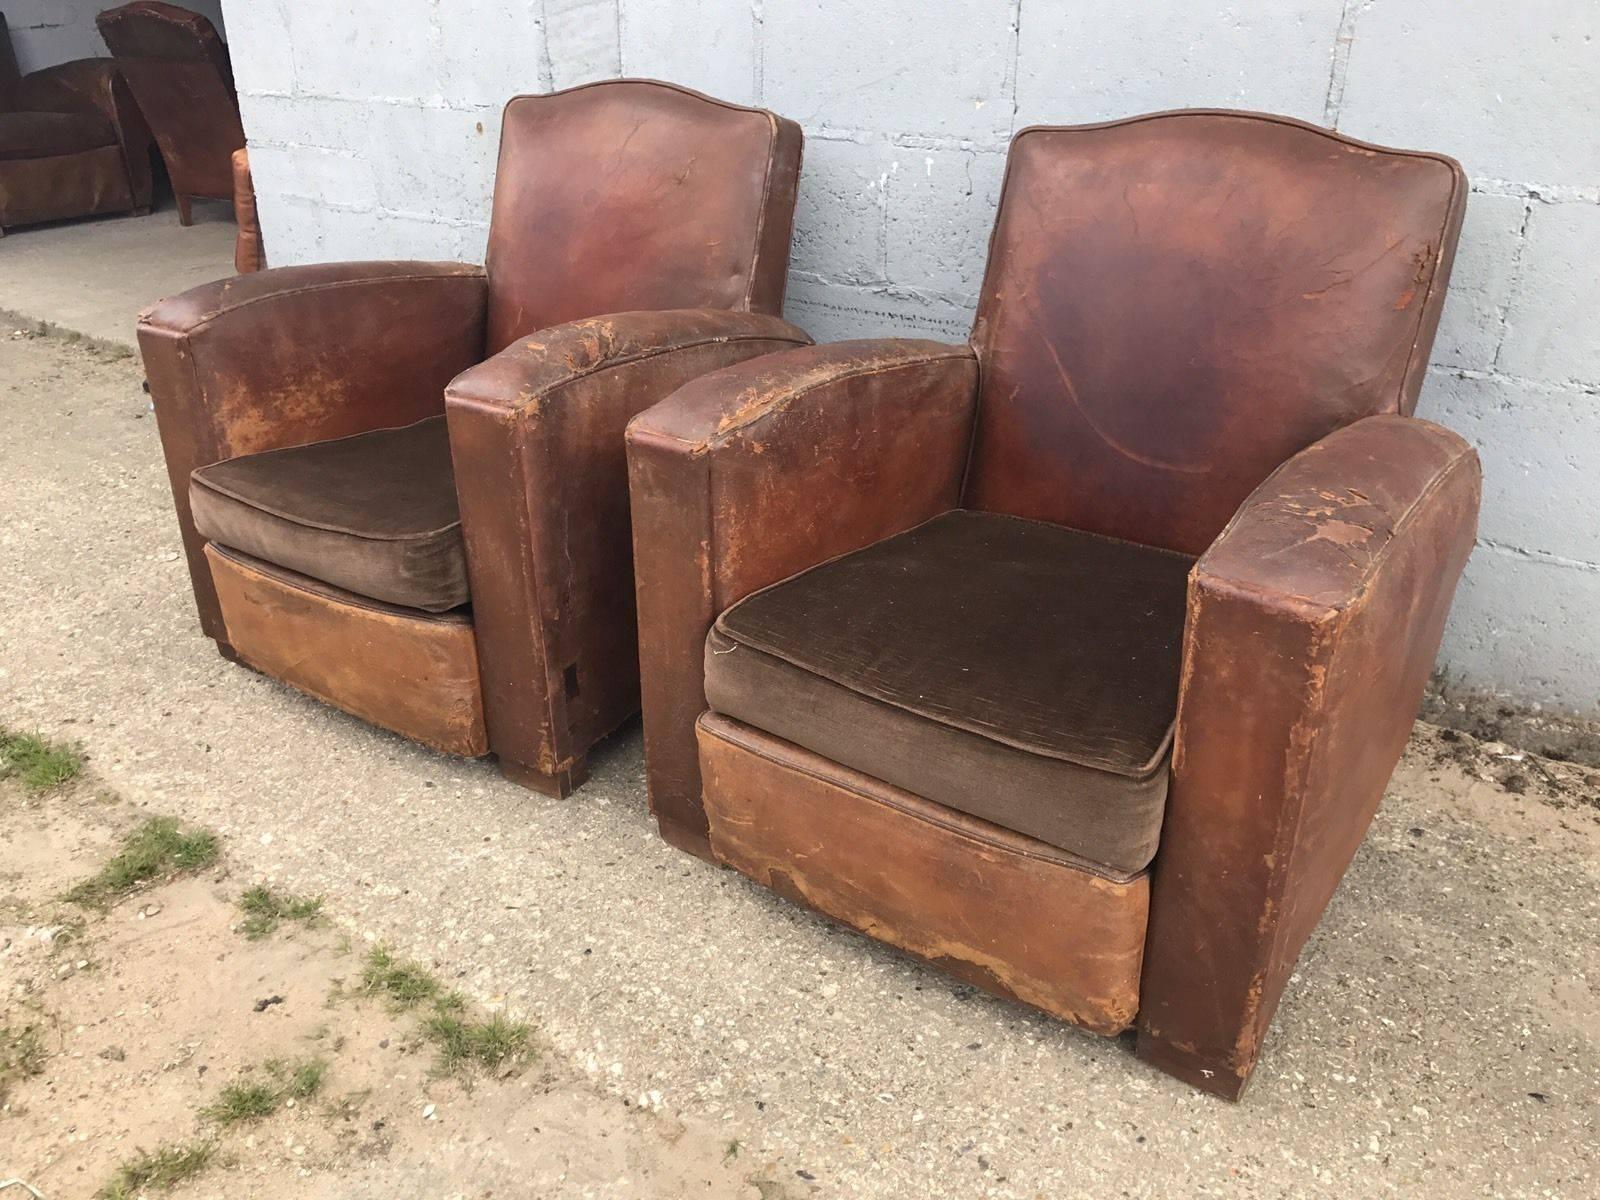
(1074, 660)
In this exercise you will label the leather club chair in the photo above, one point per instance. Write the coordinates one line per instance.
(72, 141)
(457, 567)
(1076, 659)
(182, 78)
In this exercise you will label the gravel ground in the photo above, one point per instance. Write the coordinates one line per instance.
(1440, 1037)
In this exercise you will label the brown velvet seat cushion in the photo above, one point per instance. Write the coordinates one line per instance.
(1013, 670)
(48, 134)
(374, 514)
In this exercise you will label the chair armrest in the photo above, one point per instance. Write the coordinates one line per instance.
(297, 355)
(95, 86)
(1313, 624)
(536, 434)
(752, 474)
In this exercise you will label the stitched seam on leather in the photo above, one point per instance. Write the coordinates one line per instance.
(1051, 855)
(639, 356)
(210, 318)
(761, 214)
(721, 437)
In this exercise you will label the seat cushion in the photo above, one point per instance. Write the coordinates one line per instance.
(49, 134)
(1009, 669)
(374, 514)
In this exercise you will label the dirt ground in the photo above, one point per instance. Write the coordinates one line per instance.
(1441, 1036)
(150, 1009)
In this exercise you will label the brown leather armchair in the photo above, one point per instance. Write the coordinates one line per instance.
(403, 487)
(1075, 660)
(72, 141)
(182, 78)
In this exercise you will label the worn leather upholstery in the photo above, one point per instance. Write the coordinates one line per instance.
(180, 74)
(248, 251)
(972, 648)
(72, 141)
(1200, 332)
(374, 513)
(609, 197)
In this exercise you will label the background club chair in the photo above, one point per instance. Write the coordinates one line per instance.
(179, 71)
(935, 613)
(72, 141)
(468, 582)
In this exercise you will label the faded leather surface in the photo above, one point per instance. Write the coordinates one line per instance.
(373, 513)
(537, 437)
(248, 254)
(414, 673)
(1313, 625)
(179, 71)
(301, 354)
(628, 195)
(1002, 912)
(750, 474)
(72, 142)
(1175, 304)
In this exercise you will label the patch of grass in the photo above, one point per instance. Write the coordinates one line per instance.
(158, 849)
(22, 1055)
(265, 909)
(160, 1169)
(465, 1045)
(252, 1098)
(37, 764)
(403, 983)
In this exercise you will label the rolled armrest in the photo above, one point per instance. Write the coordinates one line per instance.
(1313, 624)
(752, 474)
(536, 434)
(95, 86)
(297, 355)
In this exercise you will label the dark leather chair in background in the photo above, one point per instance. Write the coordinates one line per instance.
(457, 567)
(1076, 659)
(179, 71)
(72, 141)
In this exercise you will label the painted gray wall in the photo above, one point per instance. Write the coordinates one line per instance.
(373, 125)
(46, 32)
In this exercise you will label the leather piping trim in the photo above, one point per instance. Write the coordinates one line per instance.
(972, 829)
(472, 272)
(1158, 758)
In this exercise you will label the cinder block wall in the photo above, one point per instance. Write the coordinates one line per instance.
(46, 32)
(373, 126)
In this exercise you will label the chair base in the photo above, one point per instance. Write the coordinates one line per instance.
(410, 672)
(998, 910)
(558, 786)
(1216, 1075)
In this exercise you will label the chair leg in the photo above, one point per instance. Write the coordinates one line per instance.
(692, 841)
(559, 785)
(185, 210)
(1219, 1074)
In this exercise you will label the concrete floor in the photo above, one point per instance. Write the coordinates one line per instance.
(93, 276)
(1441, 1036)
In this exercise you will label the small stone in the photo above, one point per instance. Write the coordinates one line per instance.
(429, 1113)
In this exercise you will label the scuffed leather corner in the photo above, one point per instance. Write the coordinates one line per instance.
(536, 434)
(751, 474)
(1313, 624)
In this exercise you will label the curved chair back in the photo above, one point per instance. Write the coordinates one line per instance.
(631, 194)
(178, 70)
(1177, 303)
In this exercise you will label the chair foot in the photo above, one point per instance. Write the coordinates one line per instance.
(1210, 1073)
(691, 841)
(185, 210)
(558, 786)
(228, 652)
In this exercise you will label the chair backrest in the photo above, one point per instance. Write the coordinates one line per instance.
(178, 70)
(632, 194)
(1175, 304)
(10, 76)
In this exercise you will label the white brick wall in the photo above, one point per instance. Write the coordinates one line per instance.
(373, 125)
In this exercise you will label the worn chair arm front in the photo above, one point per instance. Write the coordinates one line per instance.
(1312, 627)
(297, 355)
(536, 434)
(95, 86)
(754, 473)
